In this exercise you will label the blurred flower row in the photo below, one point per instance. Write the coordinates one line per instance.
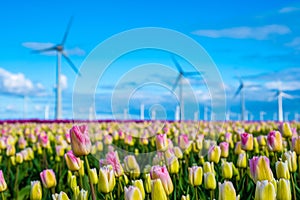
(150, 160)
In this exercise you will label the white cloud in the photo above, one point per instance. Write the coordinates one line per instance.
(18, 84)
(63, 82)
(40, 46)
(288, 9)
(294, 43)
(285, 86)
(245, 32)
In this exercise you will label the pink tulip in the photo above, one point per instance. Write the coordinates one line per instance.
(112, 159)
(48, 178)
(274, 141)
(158, 172)
(3, 185)
(43, 139)
(183, 141)
(161, 142)
(80, 141)
(224, 149)
(247, 141)
(73, 163)
(260, 169)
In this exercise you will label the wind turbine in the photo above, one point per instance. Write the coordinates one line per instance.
(179, 82)
(240, 91)
(279, 94)
(59, 49)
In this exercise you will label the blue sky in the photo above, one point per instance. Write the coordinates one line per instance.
(258, 41)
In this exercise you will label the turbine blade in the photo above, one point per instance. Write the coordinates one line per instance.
(177, 65)
(191, 73)
(44, 50)
(238, 91)
(67, 31)
(71, 63)
(176, 82)
(287, 95)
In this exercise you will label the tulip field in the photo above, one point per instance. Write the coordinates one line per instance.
(157, 160)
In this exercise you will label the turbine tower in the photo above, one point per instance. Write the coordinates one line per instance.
(279, 94)
(59, 49)
(179, 82)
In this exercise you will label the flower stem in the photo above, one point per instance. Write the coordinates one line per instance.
(196, 193)
(16, 182)
(293, 186)
(211, 194)
(90, 181)
(2, 195)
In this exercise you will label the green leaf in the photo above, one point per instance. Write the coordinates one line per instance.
(24, 193)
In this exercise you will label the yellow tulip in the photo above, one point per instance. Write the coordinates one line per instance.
(282, 170)
(158, 191)
(227, 170)
(209, 181)
(36, 190)
(195, 175)
(106, 182)
(48, 178)
(214, 154)
(140, 186)
(265, 190)
(187, 197)
(93, 175)
(291, 158)
(284, 189)
(242, 160)
(227, 191)
(173, 165)
(133, 193)
(147, 183)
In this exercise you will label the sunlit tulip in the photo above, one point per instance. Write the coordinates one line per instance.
(282, 170)
(184, 143)
(265, 190)
(132, 193)
(48, 178)
(227, 191)
(291, 158)
(19, 158)
(3, 185)
(83, 195)
(227, 170)
(73, 163)
(284, 189)
(260, 169)
(10, 150)
(36, 190)
(106, 182)
(224, 149)
(242, 160)
(158, 191)
(61, 196)
(185, 197)
(208, 167)
(161, 142)
(44, 140)
(247, 141)
(80, 141)
(262, 141)
(210, 181)
(22, 143)
(128, 140)
(131, 166)
(161, 172)
(93, 175)
(195, 175)
(214, 154)
(296, 144)
(140, 186)
(178, 152)
(274, 141)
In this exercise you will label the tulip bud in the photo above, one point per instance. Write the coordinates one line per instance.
(282, 170)
(291, 158)
(284, 189)
(81, 170)
(10, 150)
(184, 143)
(13, 160)
(286, 130)
(132, 193)
(131, 166)
(224, 149)
(238, 148)
(93, 175)
(209, 181)
(208, 167)
(195, 175)
(48, 178)
(173, 165)
(187, 197)
(80, 141)
(36, 190)
(83, 195)
(147, 183)
(163, 174)
(61, 196)
(214, 154)
(161, 142)
(274, 141)
(3, 185)
(261, 139)
(140, 186)
(227, 191)
(260, 169)
(247, 141)
(22, 143)
(73, 163)
(296, 144)
(242, 160)
(158, 191)
(73, 183)
(106, 182)
(265, 190)
(19, 158)
(227, 170)
(178, 152)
